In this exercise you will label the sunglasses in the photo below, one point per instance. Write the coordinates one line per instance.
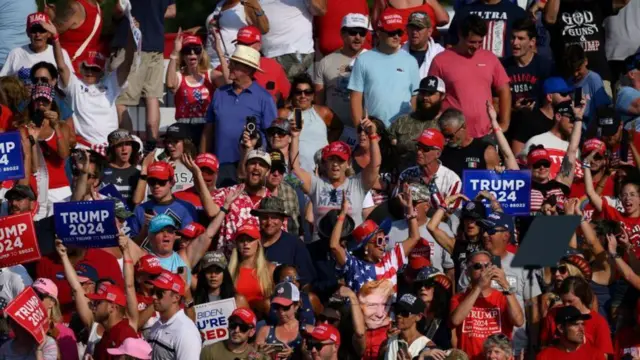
(380, 241)
(452, 135)
(191, 49)
(278, 170)
(41, 80)
(243, 327)
(282, 307)
(425, 148)
(598, 157)
(562, 269)
(541, 164)
(290, 279)
(37, 29)
(495, 231)
(277, 133)
(480, 266)
(315, 345)
(305, 91)
(356, 31)
(153, 182)
(424, 284)
(403, 313)
(394, 33)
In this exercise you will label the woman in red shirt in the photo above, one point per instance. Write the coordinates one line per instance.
(193, 83)
(575, 291)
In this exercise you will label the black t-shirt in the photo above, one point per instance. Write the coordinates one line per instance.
(530, 124)
(125, 180)
(581, 22)
(526, 81)
(468, 157)
(418, 55)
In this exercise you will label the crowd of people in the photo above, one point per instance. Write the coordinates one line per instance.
(314, 175)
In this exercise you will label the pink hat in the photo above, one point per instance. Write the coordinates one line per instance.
(135, 347)
(46, 287)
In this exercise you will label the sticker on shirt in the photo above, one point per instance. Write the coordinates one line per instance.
(482, 322)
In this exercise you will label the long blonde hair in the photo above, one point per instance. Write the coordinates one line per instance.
(261, 269)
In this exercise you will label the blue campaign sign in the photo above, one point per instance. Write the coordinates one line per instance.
(512, 188)
(11, 164)
(87, 224)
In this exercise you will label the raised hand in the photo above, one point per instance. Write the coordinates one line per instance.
(344, 208)
(233, 195)
(612, 244)
(61, 249)
(49, 27)
(451, 199)
(187, 160)
(177, 42)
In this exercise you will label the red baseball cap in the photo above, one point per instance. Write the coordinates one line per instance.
(420, 256)
(248, 35)
(208, 161)
(326, 332)
(160, 170)
(337, 148)
(431, 137)
(95, 59)
(250, 230)
(192, 230)
(169, 281)
(593, 145)
(191, 40)
(365, 231)
(537, 155)
(149, 264)
(36, 18)
(246, 315)
(110, 293)
(391, 20)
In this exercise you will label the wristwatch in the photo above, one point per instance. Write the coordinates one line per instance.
(511, 290)
(189, 304)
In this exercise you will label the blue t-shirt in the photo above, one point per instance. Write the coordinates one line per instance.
(500, 18)
(172, 263)
(593, 88)
(181, 211)
(387, 83)
(291, 251)
(626, 96)
(228, 112)
(150, 15)
(13, 15)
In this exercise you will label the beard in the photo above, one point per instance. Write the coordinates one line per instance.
(424, 113)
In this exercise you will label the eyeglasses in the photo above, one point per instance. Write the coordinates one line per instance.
(356, 31)
(452, 135)
(541, 164)
(379, 241)
(562, 269)
(188, 50)
(495, 231)
(304, 91)
(282, 307)
(316, 345)
(41, 80)
(480, 266)
(394, 33)
(153, 182)
(243, 327)
(278, 170)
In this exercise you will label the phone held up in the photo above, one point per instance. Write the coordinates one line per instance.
(297, 116)
(251, 125)
(577, 97)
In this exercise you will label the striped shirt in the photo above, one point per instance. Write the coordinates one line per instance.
(357, 272)
(446, 181)
(541, 192)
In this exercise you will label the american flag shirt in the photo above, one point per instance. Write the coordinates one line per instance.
(357, 272)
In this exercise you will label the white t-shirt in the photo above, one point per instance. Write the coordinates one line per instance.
(621, 32)
(176, 339)
(13, 280)
(556, 147)
(440, 259)
(447, 181)
(290, 28)
(94, 106)
(229, 21)
(21, 59)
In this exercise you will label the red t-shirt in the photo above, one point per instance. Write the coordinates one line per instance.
(374, 338)
(489, 315)
(327, 27)
(191, 196)
(627, 342)
(113, 338)
(104, 263)
(596, 330)
(6, 118)
(629, 224)
(274, 73)
(584, 352)
(578, 191)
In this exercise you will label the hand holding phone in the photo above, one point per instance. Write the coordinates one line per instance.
(577, 97)
(297, 115)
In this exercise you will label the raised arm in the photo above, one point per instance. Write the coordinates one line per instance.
(516, 313)
(70, 16)
(338, 252)
(594, 197)
(294, 158)
(412, 219)
(433, 225)
(509, 158)
(129, 54)
(248, 144)
(359, 329)
(221, 77)
(64, 72)
(141, 187)
(371, 172)
(629, 275)
(81, 184)
(256, 16)
(551, 11)
(129, 286)
(82, 302)
(568, 166)
(172, 78)
(210, 207)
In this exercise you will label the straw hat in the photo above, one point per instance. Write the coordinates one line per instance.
(248, 56)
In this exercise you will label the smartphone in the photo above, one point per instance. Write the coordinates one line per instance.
(278, 347)
(495, 260)
(577, 97)
(297, 115)
(251, 124)
(161, 155)
(38, 117)
(149, 212)
(180, 269)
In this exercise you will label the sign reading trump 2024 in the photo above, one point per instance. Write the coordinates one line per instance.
(511, 188)
(11, 164)
(18, 242)
(212, 319)
(87, 224)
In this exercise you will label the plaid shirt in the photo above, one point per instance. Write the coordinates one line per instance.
(291, 205)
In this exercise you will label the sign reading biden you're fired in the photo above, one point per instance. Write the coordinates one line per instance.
(11, 164)
(27, 310)
(18, 244)
(88, 224)
(212, 320)
(512, 188)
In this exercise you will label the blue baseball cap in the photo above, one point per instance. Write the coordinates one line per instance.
(498, 219)
(160, 222)
(556, 84)
(632, 62)
(86, 273)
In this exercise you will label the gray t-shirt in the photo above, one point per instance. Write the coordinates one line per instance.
(333, 72)
(324, 197)
(440, 259)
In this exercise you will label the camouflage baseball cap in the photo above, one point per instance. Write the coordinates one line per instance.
(419, 192)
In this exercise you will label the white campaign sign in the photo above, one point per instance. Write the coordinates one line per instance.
(212, 320)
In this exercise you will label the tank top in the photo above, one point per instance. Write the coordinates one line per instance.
(248, 284)
(72, 39)
(468, 157)
(374, 338)
(55, 164)
(293, 344)
(229, 22)
(428, 9)
(192, 101)
(312, 138)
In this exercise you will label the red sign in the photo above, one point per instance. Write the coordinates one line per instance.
(18, 243)
(28, 311)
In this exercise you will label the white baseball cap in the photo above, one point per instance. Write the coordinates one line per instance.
(259, 154)
(354, 20)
